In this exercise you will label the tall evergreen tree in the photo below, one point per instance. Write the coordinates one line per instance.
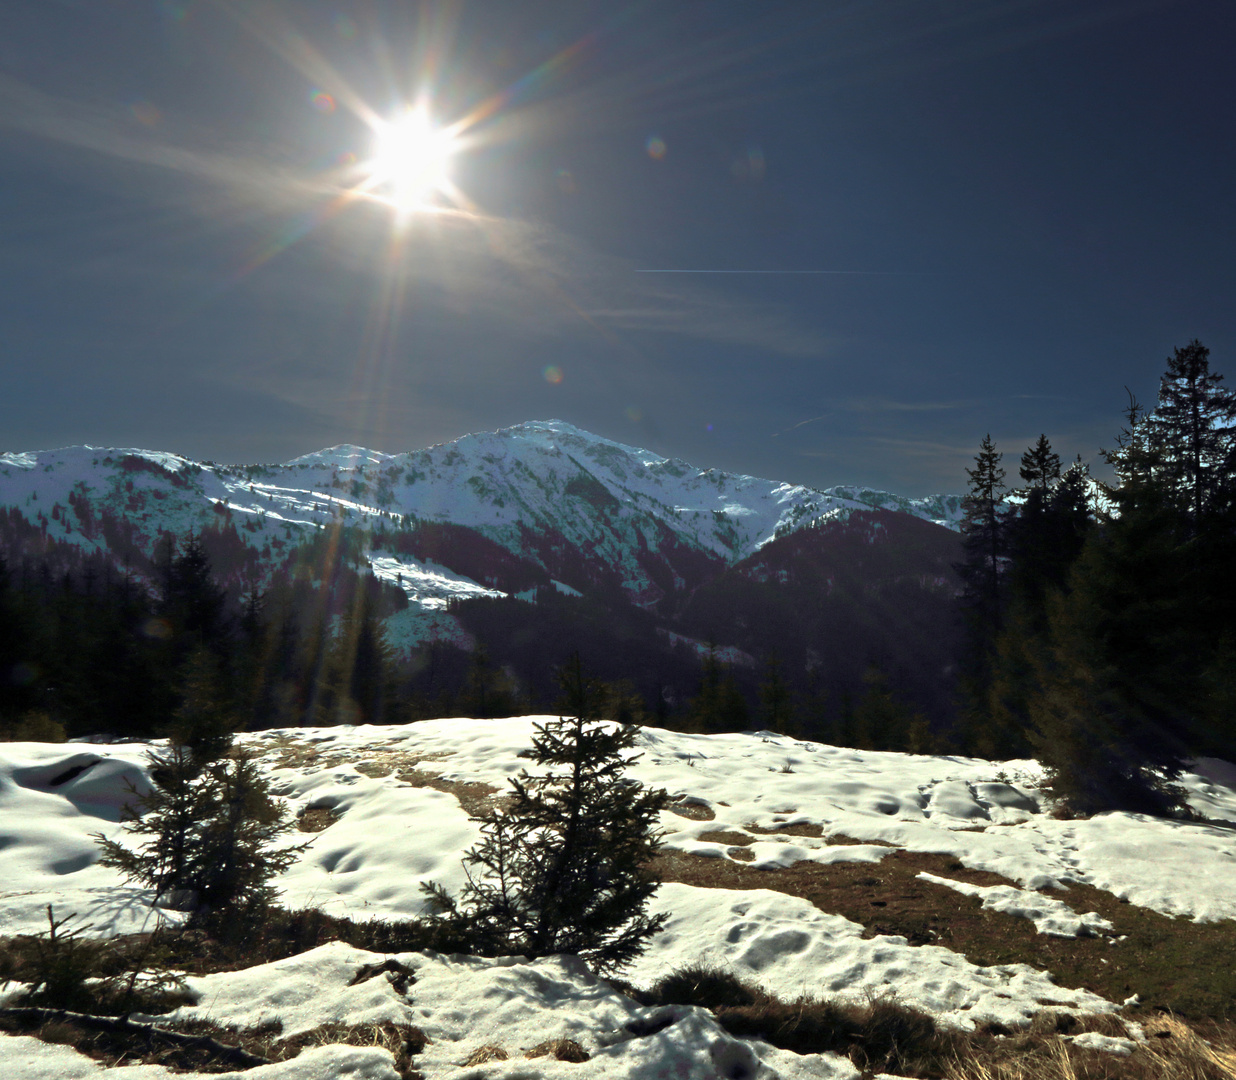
(982, 527)
(984, 544)
(1040, 466)
(1131, 670)
(776, 701)
(1192, 431)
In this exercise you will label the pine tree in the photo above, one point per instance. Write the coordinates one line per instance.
(1192, 431)
(982, 572)
(167, 815)
(776, 703)
(234, 853)
(206, 835)
(880, 721)
(564, 868)
(203, 722)
(1040, 466)
(982, 527)
(191, 601)
(1132, 671)
(720, 704)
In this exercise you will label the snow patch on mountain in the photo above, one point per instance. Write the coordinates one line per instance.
(537, 489)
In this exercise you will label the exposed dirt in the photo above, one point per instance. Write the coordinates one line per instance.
(1175, 964)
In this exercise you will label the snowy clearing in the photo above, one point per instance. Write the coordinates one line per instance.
(392, 831)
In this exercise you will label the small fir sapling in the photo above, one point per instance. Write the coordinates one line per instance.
(209, 835)
(563, 867)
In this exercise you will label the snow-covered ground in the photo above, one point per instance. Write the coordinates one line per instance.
(391, 836)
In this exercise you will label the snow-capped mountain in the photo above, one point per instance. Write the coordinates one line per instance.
(577, 507)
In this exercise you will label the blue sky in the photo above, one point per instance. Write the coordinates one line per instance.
(1031, 202)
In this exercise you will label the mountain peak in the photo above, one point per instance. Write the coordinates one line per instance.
(343, 456)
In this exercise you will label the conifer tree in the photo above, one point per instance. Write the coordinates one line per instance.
(880, 721)
(983, 529)
(1132, 669)
(982, 572)
(164, 819)
(203, 723)
(1192, 431)
(564, 868)
(234, 852)
(1040, 466)
(720, 704)
(206, 835)
(776, 703)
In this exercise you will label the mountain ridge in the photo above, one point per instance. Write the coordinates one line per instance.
(587, 510)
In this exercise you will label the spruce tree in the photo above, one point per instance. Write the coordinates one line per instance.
(1040, 466)
(1133, 671)
(776, 702)
(564, 867)
(206, 835)
(164, 820)
(234, 853)
(880, 721)
(1192, 431)
(982, 527)
(982, 571)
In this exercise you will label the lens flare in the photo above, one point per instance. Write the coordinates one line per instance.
(553, 374)
(322, 101)
(145, 113)
(656, 147)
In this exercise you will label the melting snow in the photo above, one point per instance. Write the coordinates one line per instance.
(390, 837)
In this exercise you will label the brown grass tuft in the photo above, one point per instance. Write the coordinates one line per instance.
(486, 1053)
(559, 1050)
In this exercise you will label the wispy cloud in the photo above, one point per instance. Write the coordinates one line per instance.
(534, 279)
(879, 405)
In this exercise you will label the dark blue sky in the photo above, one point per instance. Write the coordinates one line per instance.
(1038, 195)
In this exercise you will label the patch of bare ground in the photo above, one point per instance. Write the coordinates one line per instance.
(1172, 1050)
(694, 811)
(202, 1046)
(1172, 964)
(476, 798)
(811, 829)
(316, 819)
(884, 1035)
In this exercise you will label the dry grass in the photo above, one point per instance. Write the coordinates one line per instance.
(403, 1041)
(691, 810)
(316, 819)
(476, 798)
(883, 1034)
(559, 1050)
(1172, 964)
(879, 1034)
(403, 765)
(811, 829)
(1172, 1051)
(483, 1054)
(725, 836)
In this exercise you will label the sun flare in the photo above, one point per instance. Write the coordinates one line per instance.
(411, 164)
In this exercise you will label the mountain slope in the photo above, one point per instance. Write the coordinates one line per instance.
(591, 513)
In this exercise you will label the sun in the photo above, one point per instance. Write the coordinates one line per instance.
(411, 164)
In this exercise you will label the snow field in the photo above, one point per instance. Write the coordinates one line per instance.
(389, 838)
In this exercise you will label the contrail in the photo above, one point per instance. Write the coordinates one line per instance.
(877, 273)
